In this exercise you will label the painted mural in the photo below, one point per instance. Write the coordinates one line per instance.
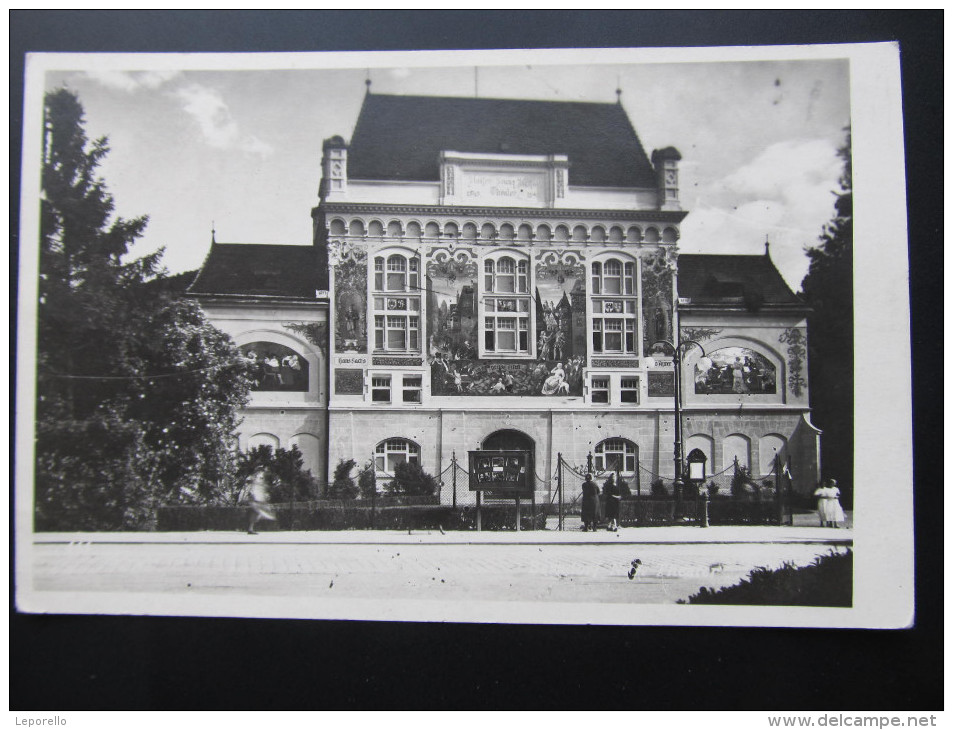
(275, 367)
(560, 308)
(735, 370)
(350, 305)
(452, 307)
(506, 377)
(656, 299)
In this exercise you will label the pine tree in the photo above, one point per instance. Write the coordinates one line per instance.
(828, 289)
(136, 392)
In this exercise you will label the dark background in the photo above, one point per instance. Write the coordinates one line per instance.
(91, 662)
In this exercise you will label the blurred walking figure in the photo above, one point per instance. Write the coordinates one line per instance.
(590, 504)
(255, 496)
(613, 500)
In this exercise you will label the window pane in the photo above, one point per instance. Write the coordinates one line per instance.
(524, 341)
(489, 341)
(506, 341)
(379, 281)
(395, 282)
(490, 305)
(505, 266)
(411, 396)
(506, 284)
(613, 268)
(597, 342)
(600, 396)
(612, 286)
(396, 263)
(396, 339)
(613, 342)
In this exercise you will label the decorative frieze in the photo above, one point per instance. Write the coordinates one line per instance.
(397, 362)
(617, 363)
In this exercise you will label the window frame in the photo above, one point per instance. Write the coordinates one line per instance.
(506, 306)
(396, 308)
(600, 452)
(384, 450)
(614, 314)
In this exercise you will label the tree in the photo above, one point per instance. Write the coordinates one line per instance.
(342, 484)
(828, 289)
(137, 393)
(410, 479)
(290, 481)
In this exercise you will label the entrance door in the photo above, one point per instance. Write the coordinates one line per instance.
(509, 439)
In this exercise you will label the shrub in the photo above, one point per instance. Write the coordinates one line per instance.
(342, 485)
(411, 479)
(712, 490)
(367, 482)
(624, 488)
(740, 483)
(290, 480)
(658, 488)
(828, 581)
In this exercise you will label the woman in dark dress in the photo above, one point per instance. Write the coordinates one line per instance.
(590, 504)
(612, 496)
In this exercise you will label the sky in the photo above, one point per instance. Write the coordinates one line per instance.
(241, 149)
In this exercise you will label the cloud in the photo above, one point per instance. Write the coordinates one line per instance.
(219, 129)
(129, 81)
(785, 193)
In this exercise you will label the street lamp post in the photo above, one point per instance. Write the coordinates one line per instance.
(677, 363)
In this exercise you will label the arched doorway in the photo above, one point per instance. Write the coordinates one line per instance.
(509, 439)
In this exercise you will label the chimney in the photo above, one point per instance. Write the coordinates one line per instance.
(665, 162)
(333, 169)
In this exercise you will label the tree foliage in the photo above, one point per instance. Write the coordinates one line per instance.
(342, 484)
(136, 392)
(828, 289)
(290, 480)
(410, 479)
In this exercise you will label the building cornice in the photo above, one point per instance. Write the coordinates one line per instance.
(698, 307)
(659, 216)
(269, 299)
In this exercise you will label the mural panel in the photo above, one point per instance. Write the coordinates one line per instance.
(452, 307)
(350, 306)
(656, 298)
(560, 308)
(735, 370)
(506, 377)
(661, 384)
(276, 367)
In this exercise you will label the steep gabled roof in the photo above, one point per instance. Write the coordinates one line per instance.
(252, 269)
(732, 279)
(401, 137)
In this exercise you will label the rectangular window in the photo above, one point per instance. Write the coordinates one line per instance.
(380, 388)
(413, 386)
(506, 334)
(379, 332)
(597, 335)
(396, 333)
(629, 390)
(599, 392)
(613, 335)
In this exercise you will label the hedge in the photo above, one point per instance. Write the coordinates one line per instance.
(329, 515)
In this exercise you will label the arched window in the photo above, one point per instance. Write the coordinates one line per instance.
(506, 305)
(616, 455)
(392, 452)
(397, 318)
(614, 307)
(275, 367)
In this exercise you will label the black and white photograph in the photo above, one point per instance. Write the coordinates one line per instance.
(549, 337)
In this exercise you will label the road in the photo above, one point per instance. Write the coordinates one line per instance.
(532, 571)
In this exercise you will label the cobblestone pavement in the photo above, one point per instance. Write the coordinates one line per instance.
(497, 572)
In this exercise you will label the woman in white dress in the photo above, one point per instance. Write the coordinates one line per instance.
(829, 510)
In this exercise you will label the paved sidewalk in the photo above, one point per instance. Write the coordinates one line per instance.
(735, 534)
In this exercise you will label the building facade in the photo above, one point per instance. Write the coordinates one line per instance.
(504, 274)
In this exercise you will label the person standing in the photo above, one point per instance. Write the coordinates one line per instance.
(835, 511)
(255, 496)
(612, 497)
(590, 504)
